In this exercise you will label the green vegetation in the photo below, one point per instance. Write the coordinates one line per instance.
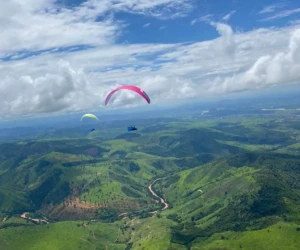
(279, 236)
(235, 197)
(61, 235)
(229, 184)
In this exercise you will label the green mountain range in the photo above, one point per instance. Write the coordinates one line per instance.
(228, 184)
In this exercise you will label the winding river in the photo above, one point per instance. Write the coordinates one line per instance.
(154, 194)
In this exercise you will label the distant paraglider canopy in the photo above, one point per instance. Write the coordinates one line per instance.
(128, 87)
(90, 116)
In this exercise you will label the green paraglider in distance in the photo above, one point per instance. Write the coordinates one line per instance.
(90, 116)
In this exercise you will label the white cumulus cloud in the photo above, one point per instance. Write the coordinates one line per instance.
(282, 67)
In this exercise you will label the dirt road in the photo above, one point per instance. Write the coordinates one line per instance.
(154, 194)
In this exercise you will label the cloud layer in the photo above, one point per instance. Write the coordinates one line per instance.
(49, 71)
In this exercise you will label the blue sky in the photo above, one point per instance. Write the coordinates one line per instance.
(65, 56)
(246, 17)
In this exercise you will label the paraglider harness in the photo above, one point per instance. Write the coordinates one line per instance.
(131, 128)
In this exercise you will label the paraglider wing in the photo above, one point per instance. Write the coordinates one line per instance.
(90, 116)
(128, 87)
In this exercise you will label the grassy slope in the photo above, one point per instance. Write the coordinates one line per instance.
(278, 236)
(14, 200)
(61, 235)
(153, 233)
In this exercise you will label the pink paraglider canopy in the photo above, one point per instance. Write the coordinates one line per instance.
(128, 87)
